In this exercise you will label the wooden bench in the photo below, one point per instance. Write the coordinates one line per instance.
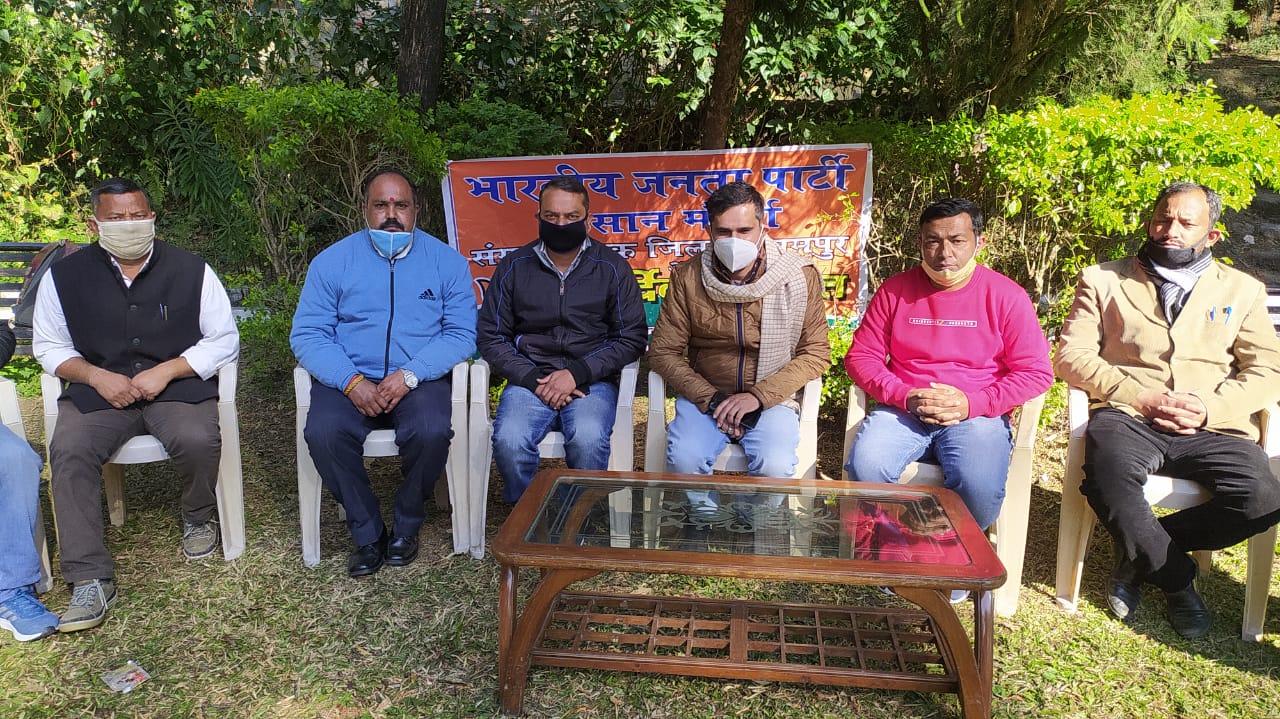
(1273, 305)
(15, 258)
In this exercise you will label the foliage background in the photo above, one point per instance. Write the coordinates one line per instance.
(250, 121)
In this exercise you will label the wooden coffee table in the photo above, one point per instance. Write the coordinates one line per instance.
(573, 524)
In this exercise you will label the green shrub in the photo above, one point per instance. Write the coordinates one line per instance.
(836, 382)
(1062, 187)
(265, 356)
(477, 127)
(25, 373)
(303, 151)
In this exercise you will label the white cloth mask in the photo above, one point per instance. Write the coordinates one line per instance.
(127, 239)
(735, 253)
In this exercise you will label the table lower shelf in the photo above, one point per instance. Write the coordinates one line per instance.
(874, 647)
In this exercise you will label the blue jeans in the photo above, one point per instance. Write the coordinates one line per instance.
(19, 495)
(524, 420)
(974, 455)
(694, 442)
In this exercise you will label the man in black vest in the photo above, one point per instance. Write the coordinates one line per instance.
(138, 329)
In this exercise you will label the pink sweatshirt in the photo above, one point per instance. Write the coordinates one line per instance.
(983, 339)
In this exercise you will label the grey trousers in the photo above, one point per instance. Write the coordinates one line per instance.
(80, 446)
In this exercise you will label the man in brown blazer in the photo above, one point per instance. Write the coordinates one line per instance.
(1178, 356)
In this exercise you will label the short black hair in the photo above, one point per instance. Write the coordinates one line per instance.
(566, 183)
(116, 186)
(950, 207)
(1213, 199)
(731, 195)
(379, 172)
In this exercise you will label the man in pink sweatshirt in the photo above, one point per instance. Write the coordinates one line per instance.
(947, 349)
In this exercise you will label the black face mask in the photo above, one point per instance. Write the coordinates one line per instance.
(562, 238)
(1171, 257)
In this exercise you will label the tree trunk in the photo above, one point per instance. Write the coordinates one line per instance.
(730, 51)
(1259, 12)
(421, 60)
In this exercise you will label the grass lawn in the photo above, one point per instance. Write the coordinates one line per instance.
(265, 637)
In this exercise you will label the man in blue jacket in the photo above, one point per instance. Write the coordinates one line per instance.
(385, 314)
(561, 318)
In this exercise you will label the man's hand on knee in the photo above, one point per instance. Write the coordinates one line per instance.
(115, 388)
(939, 404)
(367, 399)
(728, 413)
(1175, 412)
(558, 389)
(392, 389)
(151, 382)
(1183, 413)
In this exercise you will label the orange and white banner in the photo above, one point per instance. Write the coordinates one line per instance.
(648, 208)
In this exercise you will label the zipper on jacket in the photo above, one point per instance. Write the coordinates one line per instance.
(742, 351)
(391, 318)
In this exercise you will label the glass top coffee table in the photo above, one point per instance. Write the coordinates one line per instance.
(921, 541)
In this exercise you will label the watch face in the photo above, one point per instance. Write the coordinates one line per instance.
(410, 379)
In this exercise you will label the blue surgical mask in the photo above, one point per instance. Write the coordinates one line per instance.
(389, 244)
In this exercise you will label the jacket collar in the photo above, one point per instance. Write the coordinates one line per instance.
(1142, 291)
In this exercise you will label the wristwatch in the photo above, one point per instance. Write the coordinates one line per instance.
(410, 379)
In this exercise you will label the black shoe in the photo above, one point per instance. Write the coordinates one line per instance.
(367, 558)
(402, 551)
(1187, 612)
(1124, 588)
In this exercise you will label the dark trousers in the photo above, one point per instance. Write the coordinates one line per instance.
(1121, 451)
(83, 441)
(335, 435)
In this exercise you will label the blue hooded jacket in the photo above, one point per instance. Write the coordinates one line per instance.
(360, 313)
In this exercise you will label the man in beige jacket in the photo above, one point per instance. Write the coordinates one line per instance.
(1178, 356)
(741, 331)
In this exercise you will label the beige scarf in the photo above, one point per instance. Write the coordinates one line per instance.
(784, 292)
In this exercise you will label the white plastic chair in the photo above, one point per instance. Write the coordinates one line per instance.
(11, 417)
(1009, 532)
(1076, 523)
(382, 443)
(145, 448)
(621, 441)
(732, 458)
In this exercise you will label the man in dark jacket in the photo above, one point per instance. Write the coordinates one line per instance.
(561, 317)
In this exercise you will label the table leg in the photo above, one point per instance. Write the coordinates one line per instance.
(509, 578)
(984, 639)
(515, 645)
(953, 640)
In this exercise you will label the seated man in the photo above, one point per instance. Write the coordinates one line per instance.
(741, 331)
(20, 611)
(1178, 355)
(560, 320)
(947, 350)
(381, 352)
(138, 329)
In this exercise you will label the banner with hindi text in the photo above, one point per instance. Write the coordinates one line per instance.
(648, 208)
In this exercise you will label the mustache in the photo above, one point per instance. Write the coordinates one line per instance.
(391, 223)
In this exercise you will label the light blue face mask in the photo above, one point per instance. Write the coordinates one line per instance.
(389, 244)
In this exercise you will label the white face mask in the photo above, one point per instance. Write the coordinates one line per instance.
(735, 253)
(127, 239)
